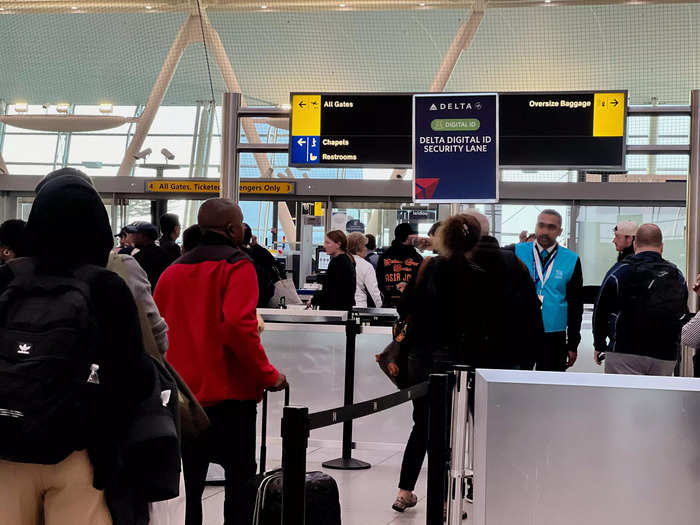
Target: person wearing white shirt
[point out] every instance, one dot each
(366, 278)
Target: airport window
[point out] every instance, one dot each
(595, 225)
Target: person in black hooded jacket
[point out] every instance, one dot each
(397, 265)
(66, 204)
(515, 320)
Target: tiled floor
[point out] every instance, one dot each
(365, 495)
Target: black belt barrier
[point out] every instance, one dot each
(297, 424)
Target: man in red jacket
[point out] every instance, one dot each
(208, 298)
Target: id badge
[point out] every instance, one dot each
(541, 298)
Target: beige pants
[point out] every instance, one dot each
(60, 494)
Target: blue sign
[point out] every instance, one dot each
(455, 147)
(306, 149)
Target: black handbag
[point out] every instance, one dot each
(394, 353)
(397, 351)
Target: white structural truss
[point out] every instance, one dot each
(198, 29)
(462, 41)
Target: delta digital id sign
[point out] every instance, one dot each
(455, 147)
(569, 130)
(351, 130)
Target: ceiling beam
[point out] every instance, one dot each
(186, 6)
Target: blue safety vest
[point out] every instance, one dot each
(555, 309)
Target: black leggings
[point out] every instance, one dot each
(417, 445)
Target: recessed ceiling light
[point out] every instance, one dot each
(341, 5)
(263, 7)
(422, 4)
(149, 7)
(2, 8)
(74, 7)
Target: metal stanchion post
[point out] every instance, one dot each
(295, 440)
(469, 473)
(346, 462)
(438, 446)
(459, 465)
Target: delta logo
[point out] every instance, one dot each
(453, 106)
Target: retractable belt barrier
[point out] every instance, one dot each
(297, 423)
(450, 443)
(330, 417)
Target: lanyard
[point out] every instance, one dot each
(538, 265)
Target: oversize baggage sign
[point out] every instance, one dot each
(455, 148)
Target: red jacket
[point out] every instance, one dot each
(208, 298)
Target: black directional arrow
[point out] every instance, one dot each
(614, 102)
(301, 104)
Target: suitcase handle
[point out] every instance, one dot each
(263, 430)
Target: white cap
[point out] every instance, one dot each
(626, 228)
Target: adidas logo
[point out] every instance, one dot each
(24, 348)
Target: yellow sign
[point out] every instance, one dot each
(268, 188)
(306, 115)
(609, 115)
(185, 186)
(318, 209)
(190, 186)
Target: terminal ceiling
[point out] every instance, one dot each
(112, 51)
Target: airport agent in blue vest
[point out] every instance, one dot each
(557, 274)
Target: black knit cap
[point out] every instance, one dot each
(402, 231)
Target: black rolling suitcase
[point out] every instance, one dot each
(263, 494)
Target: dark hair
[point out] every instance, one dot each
(550, 211)
(339, 237)
(371, 242)
(191, 237)
(402, 231)
(247, 234)
(458, 235)
(12, 235)
(168, 222)
(434, 228)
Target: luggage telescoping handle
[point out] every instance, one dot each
(263, 430)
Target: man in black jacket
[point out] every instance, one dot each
(170, 228)
(397, 265)
(623, 240)
(150, 256)
(517, 330)
(640, 310)
(266, 267)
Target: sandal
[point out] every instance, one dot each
(401, 503)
